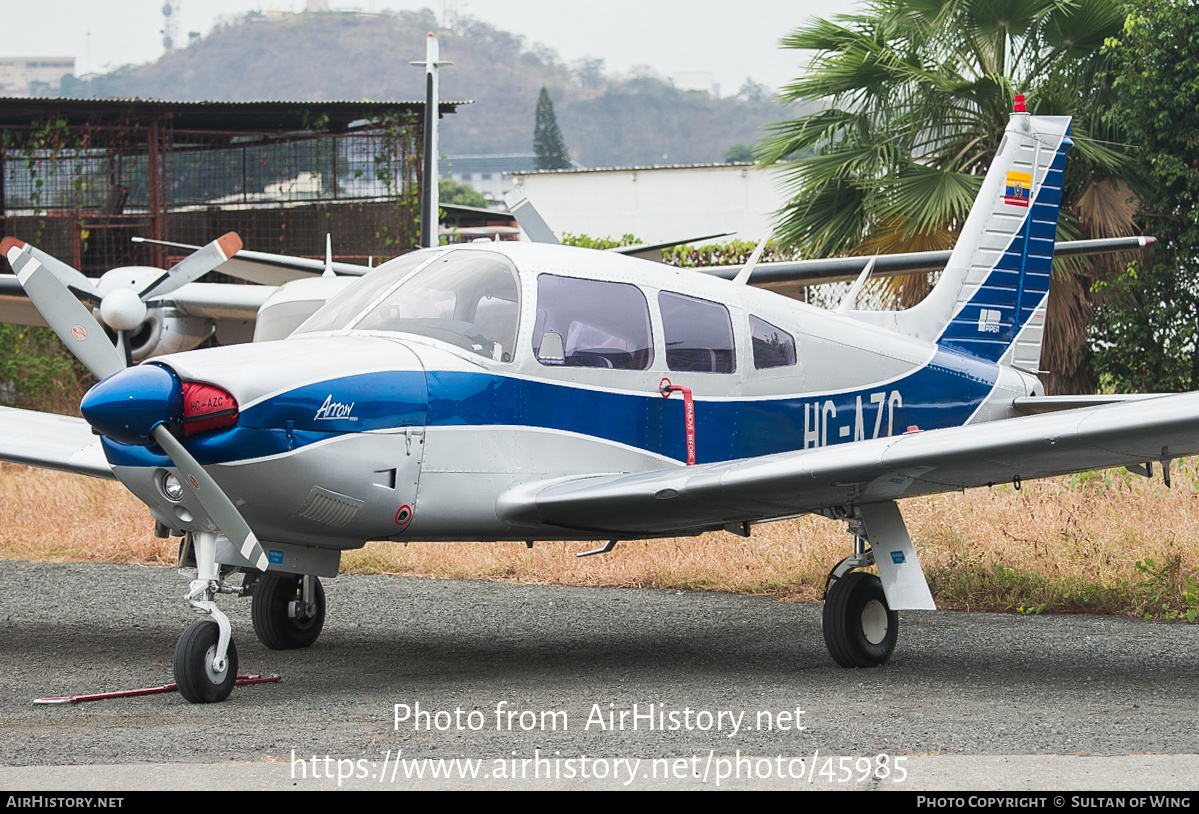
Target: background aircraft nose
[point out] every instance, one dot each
(129, 404)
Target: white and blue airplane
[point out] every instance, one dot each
(508, 391)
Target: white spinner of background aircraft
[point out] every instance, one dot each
(529, 392)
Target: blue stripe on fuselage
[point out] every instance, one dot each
(943, 393)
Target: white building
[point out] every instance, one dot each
(657, 204)
(696, 80)
(491, 175)
(33, 76)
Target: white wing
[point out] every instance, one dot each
(51, 442)
(711, 496)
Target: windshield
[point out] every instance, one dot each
(468, 298)
(340, 311)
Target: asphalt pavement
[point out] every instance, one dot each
(516, 686)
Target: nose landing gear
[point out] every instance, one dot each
(205, 656)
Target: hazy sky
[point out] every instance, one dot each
(732, 41)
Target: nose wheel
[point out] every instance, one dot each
(200, 679)
(288, 614)
(859, 628)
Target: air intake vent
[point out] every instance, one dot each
(329, 508)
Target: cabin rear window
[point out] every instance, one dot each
(773, 347)
(591, 323)
(699, 334)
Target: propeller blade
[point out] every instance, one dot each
(194, 266)
(69, 276)
(70, 319)
(218, 505)
(123, 347)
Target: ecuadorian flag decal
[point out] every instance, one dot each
(1018, 189)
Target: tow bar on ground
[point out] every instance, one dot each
(242, 680)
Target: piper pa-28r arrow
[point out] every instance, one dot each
(530, 392)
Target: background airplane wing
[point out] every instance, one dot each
(15, 306)
(51, 442)
(215, 301)
(219, 301)
(265, 268)
(713, 496)
(789, 278)
(1036, 405)
(276, 269)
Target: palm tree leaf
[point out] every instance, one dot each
(1107, 209)
(928, 199)
(818, 221)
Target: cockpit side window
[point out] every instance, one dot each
(773, 347)
(699, 334)
(591, 323)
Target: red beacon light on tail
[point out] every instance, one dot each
(1019, 106)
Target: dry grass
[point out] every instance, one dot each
(1069, 544)
(65, 518)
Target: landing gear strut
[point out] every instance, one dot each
(288, 610)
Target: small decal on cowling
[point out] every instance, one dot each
(334, 410)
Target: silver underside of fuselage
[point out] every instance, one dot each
(353, 488)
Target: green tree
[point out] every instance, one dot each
(548, 143)
(739, 154)
(38, 372)
(1146, 330)
(916, 95)
(451, 192)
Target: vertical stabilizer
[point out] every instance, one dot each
(990, 300)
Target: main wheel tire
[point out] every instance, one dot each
(859, 628)
(274, 627)
(198, 682)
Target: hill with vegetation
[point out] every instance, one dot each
(606, 120)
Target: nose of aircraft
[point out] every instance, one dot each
(128, 405)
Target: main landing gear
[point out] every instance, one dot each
(288, 610)
(860, 627)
